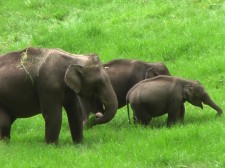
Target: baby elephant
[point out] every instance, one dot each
(165, 94)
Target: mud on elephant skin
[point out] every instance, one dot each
(165, 94)
(45, 80)
(125, 73)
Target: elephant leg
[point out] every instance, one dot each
(52, 113)
(5, 124)
(141, 115)
(171, 120)
(173, 113)
(75, 119)
(82, 107)
(5, 132)
(135, 119)
(182, 112)
(135, 113)
(145, 118)
(81, 110)
(53, 122)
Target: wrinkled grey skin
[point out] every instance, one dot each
(38, 80)
(165, 94)
(124, 74)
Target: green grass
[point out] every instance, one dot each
(187, 35)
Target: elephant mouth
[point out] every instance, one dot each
(197, 104)
(100, 113)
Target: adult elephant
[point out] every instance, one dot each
(165, 94)
(43, 80)
(125, 73)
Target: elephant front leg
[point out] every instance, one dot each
(52, 113)
(182, 112)
(172, 119)
(75, 119)
(53, 124)
(173, 113)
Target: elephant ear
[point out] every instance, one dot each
(187, 92)
(73, 78)
(151, 72)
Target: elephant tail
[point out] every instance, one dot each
(128, 109)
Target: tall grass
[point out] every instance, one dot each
(188, 36)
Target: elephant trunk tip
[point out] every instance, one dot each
(99, 118)
(208, 101)
(219, 112)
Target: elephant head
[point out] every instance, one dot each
(196, 95)
(91, 83)
(156, 70)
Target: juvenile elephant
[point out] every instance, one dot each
(124, 74)
(43, 80)
(165, 94)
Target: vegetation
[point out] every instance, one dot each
(186, 35)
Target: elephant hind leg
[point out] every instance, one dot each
(147, 118)
(5, 124)
(141, 115)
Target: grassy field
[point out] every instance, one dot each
(187, 35)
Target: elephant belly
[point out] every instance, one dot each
(155, 105)
(21, 107)
(153, 108)
(156, 111)
(20, 100)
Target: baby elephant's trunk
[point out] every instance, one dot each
(208, 101)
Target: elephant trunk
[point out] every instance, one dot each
(208, 101)
(110, 104)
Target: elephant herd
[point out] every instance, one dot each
(41, 80)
